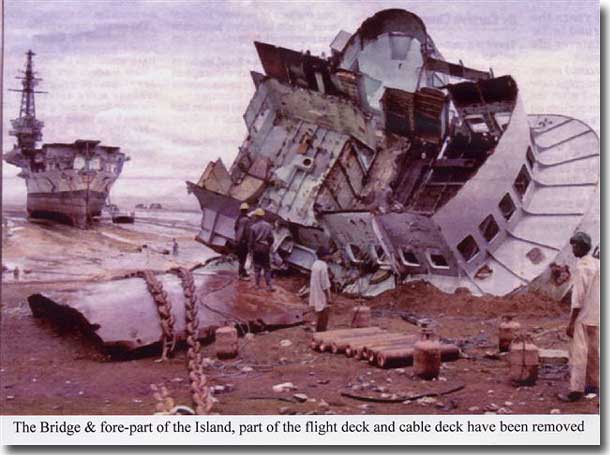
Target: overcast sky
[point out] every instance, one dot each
(168, 82)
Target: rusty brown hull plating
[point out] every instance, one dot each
(72, 207)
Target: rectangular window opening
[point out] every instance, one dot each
(380, 253)
(408, 258)
(507, 207)
(531, 159)
(260, 118)
(438, 261)
(79, 163)
(489, 228)
(468, 248)
(355, 253)
(503, 119)
(522, 182)
(477, 123)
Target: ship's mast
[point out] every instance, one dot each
(27, 128)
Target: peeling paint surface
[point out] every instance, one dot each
(402, 161)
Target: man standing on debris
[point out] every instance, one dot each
(242, 233)
(319, 289)
(174, 247)
(260, 242)
(583, 327)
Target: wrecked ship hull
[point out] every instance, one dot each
(430, 171)
(122, 317)
(72, 196)
(219, 213)
(66, 182)
(72, 207)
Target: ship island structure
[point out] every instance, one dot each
(407, 167)
(66, 182)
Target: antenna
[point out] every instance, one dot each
(26, 127)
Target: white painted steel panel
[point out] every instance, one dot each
(578, 147)
(581, 171)
(513, 255)
(560, 133)
(547, 230)
(501, 282)
(560, 200)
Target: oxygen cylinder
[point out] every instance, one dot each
(427, 355)
(523, 359)
(509, 329)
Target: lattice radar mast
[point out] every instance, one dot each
(27, 129)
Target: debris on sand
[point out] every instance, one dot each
(300, 397)
(424, 401)
(284, 387)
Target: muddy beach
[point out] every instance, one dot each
(48, 370)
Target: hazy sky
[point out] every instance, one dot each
(168, 82)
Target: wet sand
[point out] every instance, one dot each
(47, 371)
(47, 251)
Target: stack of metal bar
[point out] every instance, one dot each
(375, 345)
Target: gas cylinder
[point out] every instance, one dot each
(427, 355)
(523, 359)
(509, 329)
(226, 342)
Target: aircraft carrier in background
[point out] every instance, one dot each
(65, 182)
(407, 166)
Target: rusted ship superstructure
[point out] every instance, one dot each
(407, 166)
(65, 182)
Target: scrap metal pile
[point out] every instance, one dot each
(406, 166)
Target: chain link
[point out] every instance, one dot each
(165, 403)
(202, 397)
(201, 393)
(164, 308)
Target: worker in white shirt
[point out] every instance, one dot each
(319, 289)
(583, 327)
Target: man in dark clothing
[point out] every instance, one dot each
(260, 243)
(242, 233)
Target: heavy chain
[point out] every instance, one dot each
(164, 307)
(165, 403)
(202, 398)
(201, 393)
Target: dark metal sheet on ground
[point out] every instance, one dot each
(123, 317)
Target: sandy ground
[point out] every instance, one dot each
(45, 371)
(49, 252)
